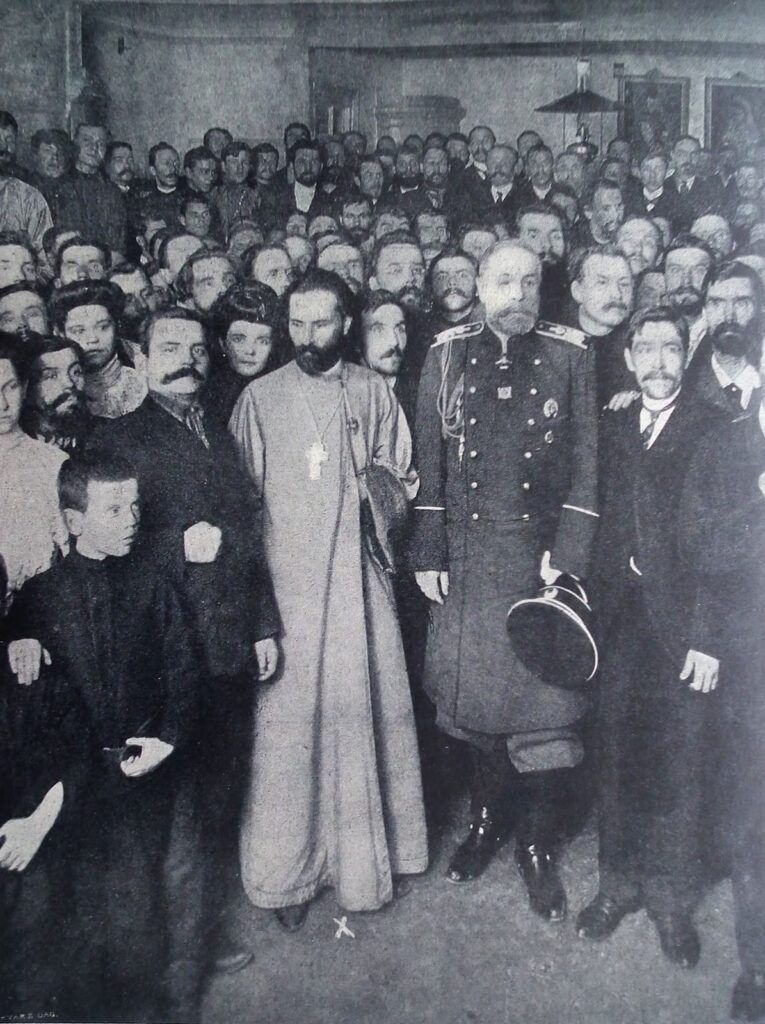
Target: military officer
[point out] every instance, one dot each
(506, 447)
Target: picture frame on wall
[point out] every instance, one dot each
(734, 113)
(655, 109)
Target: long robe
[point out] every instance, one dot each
(335, 795)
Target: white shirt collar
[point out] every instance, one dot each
(503, 191)
(664, 406)
(748, 380)
(761, 417)
(304, 196)
(541, 194)
(653, 196)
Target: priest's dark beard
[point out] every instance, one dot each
(313, 360)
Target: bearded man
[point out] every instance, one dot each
(723, 373)
(335, 761)
(506, 445)
(54, 407)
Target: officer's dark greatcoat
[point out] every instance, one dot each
(519, 478)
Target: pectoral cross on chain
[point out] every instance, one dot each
(316, 455)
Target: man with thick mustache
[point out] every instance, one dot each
(198, 511)
(506, 447)
(602, 287)
(723, 372)
(660, 653)
(335, 772)
(54, 408)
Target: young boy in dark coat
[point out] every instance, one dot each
(112, 626)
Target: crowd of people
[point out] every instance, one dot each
(280, 447)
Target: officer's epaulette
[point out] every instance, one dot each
(561, 332)
(460, 331)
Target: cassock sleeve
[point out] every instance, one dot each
(244, 427)
(393, 444)
(578, 521)
(427, 548)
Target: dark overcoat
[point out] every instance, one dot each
(182, 482)
(519, 478)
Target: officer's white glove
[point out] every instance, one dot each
(546, 571)
(433, 584)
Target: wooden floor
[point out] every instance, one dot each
(446, 954)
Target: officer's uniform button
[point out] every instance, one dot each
(474, 516)
(474, 485)
(526, 485)
(473, 454)
(472, 421)
(473, 361)
(531, 422)
(533, 391)
(471, 389)
(525, 515)
(537, 362)
(526, 455)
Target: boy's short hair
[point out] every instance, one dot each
(79, 471)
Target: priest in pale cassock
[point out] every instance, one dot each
(335, 797)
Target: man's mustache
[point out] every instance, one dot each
(63, 398)
(397, 352)
(618, 307)
(187, 371)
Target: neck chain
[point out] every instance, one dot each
(317, 453)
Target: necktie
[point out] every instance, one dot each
(647, 432)
(683, 187)
(195, 422)
(497, 198)
(734, 391)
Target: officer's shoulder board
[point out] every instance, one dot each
(561, 332)
(460, 331)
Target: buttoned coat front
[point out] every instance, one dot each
(518, 477)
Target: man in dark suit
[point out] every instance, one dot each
(602, 289)
(502, 197)
(280, 199)
(109, 623)
(474, 178)
(722, 372)
(505, 436)
(196, 508)
(660, 199)
(723, 515)
(660, 658)
(700, 195)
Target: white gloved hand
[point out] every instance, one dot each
(546, 571)
(201, 542)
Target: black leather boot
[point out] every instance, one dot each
(538, 869)
(474, 854)
(542, 794)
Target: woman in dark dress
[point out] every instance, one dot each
(245, 320)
